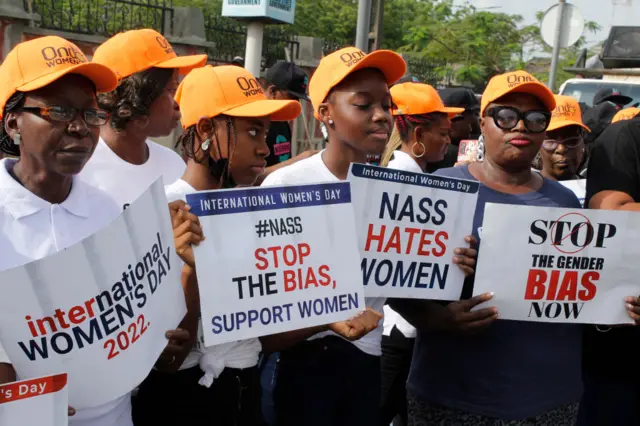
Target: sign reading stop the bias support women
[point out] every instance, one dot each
(559, 265)
(42, 402)
(408, 227)
(280, 259)
(98, 310)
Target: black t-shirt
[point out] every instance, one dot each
(279, 142)
(614, 166)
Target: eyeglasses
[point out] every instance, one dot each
(506, 118)
(93, 117)
(569, 143)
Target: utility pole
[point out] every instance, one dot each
(364, 22)
(377, 37)
(556, 44)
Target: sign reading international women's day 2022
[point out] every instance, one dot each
(43, 402)
(559, 265)
(408, 227)
(98, 310)
(283, 258)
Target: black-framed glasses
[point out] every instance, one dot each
(63, 114)
(569, 143)
(506, 118)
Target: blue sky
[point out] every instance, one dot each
(605, 12)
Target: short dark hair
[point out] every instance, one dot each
(15, 102)
(133, 96)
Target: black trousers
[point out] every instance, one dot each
(177, 399)
(397, 351)
(327, 382)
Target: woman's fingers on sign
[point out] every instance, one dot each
(633, 308)
(71, 411)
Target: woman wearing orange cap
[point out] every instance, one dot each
(471, 369)
(563, 149)
(420, 137)
(126, 163)
(324, 379)
(51, 121)
(225, 126)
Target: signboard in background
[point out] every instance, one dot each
(408, 227)
(283, 258)
(100, 309)
(468, 151)
(268, 10)
(42, 402)
(559, 265)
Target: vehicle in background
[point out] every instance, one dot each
(583, 89)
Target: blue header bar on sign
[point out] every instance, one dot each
(418, 179)
(214, 203)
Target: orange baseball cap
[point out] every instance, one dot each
(516, 82)
(37, 63)
(137, 50)
(230, 90)
(625, 114)
(417, 98)
(566, 113)
(337, 66)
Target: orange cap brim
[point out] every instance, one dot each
(183, 64)
(451, 112)
(536, 89)
(275, 110)
(102, 77)
(565, 123)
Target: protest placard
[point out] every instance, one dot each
(408, 227)
(98, 310)
(282, 258)
(578, 186)
(43, 402)
(559, 265)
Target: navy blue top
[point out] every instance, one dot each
(514, 369)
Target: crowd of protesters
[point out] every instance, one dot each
(76, 141)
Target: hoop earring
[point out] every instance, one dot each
(17, 139)
(206, 144)
(480, 153)
(413, 147)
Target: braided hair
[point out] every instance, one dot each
(219, 168)
(15, 102)
(404, 126)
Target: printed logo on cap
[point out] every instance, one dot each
(566, 110)
(515, 80)
(352, 58)
(164, 44)
(305, 82)
(69, 54)
(249, 86)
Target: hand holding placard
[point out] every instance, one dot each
(466, 321)
(465, 258)
(187, 231)
(358, 326)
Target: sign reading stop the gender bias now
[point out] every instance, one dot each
(559, 265)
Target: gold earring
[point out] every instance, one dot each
(413, 147)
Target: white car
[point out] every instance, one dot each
(583, 89)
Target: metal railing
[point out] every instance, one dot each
(103, 17)
(230, 37)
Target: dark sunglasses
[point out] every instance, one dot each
(506, 118)
(63, 114)
(569, 143)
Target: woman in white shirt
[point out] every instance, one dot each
(421, 135)
(50, 120)
(126, 162)
(224, 140)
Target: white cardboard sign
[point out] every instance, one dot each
(43, 401)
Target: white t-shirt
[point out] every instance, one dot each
(313, 170)
(401, 161)
(32, 228)
(578, 186)
(124, 181)
(241, 354)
